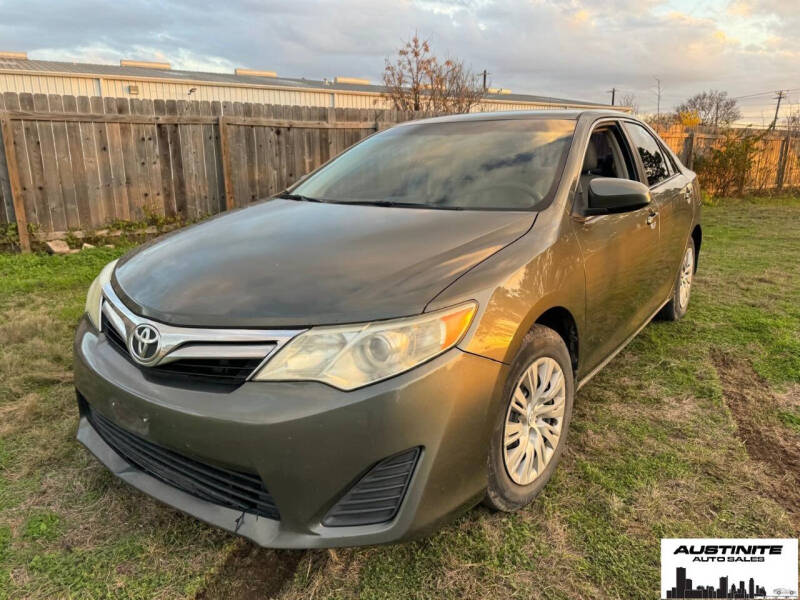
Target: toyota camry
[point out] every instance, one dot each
(397, 337)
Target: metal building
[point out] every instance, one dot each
(157, 80)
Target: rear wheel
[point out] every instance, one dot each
(531, 428)
(678, 303)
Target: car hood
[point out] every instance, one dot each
(283, 263)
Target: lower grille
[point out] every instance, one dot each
(226, 371)
(377, 496)
(234, 489)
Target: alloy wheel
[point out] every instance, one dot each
(534, 421)
(685, 281)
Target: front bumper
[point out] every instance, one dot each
(307, 441)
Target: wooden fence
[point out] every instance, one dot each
(776, 160)
(78, 163)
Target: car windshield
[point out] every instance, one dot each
(511, 164)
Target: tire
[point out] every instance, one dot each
(506, 491)
(674, 310)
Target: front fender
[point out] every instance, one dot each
(515, 286)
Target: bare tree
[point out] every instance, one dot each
(417, 80)
(630, 101)
(713, 107)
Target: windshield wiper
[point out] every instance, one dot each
(288, 196)
(396, 204)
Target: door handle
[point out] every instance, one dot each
(688, 194)
(651, 218)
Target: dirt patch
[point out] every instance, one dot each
(251, 573)
(750, 400)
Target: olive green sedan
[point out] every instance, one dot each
(397, 337)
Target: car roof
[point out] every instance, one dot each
(520, 115)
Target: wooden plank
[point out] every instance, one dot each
(303, 124)
(153, 165)
(188, 152)
(15, 184)
(216, 111)
(129, 118)
(225, 157)
(273, 160)
(138, 119)
(38, 213)
(25, 194)
(250, 155)
(327, 140)
(165, 161)
(106, 203)
(145, 199)
(308, 141)
(289, 152)
(315, 144)
(52, 184)
(66, 177)
(176, 159)
(117, 161)
(210, 160)
(132, 176)
(261, 162)
(198, 156)
(90, 166)
(282, 141)
(303, 153)
(239, 159)
(340, 135)
(6, 205)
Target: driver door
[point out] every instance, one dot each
(619, 251)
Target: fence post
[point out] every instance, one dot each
(782, 160)
(225, 156)
(16, 188)
(689, 150)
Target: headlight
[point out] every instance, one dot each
(95, 294)
(352, 356)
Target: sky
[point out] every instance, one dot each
(572, 48)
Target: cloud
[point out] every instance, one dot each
(570, 48)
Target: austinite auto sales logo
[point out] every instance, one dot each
(729, 568)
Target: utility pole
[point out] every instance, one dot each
(613, 92)
(484, 79)
(658, 109)
(780, 95)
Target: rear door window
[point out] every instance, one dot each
(650, 152)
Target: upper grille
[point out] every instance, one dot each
(377, 496)
(113, 336)
(227, 371)
(234, 489)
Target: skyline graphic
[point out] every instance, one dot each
(684, 588)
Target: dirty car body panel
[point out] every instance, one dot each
(295, 463)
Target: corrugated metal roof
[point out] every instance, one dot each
(71, 68)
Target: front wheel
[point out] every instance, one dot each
(678, 303)
(531, 427)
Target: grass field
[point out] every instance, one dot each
(693, 431)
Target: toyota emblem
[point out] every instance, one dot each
(145, 343)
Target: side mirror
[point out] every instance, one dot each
(610, 195)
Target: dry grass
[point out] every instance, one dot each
(692, 431)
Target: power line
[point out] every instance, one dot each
(762, 93)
